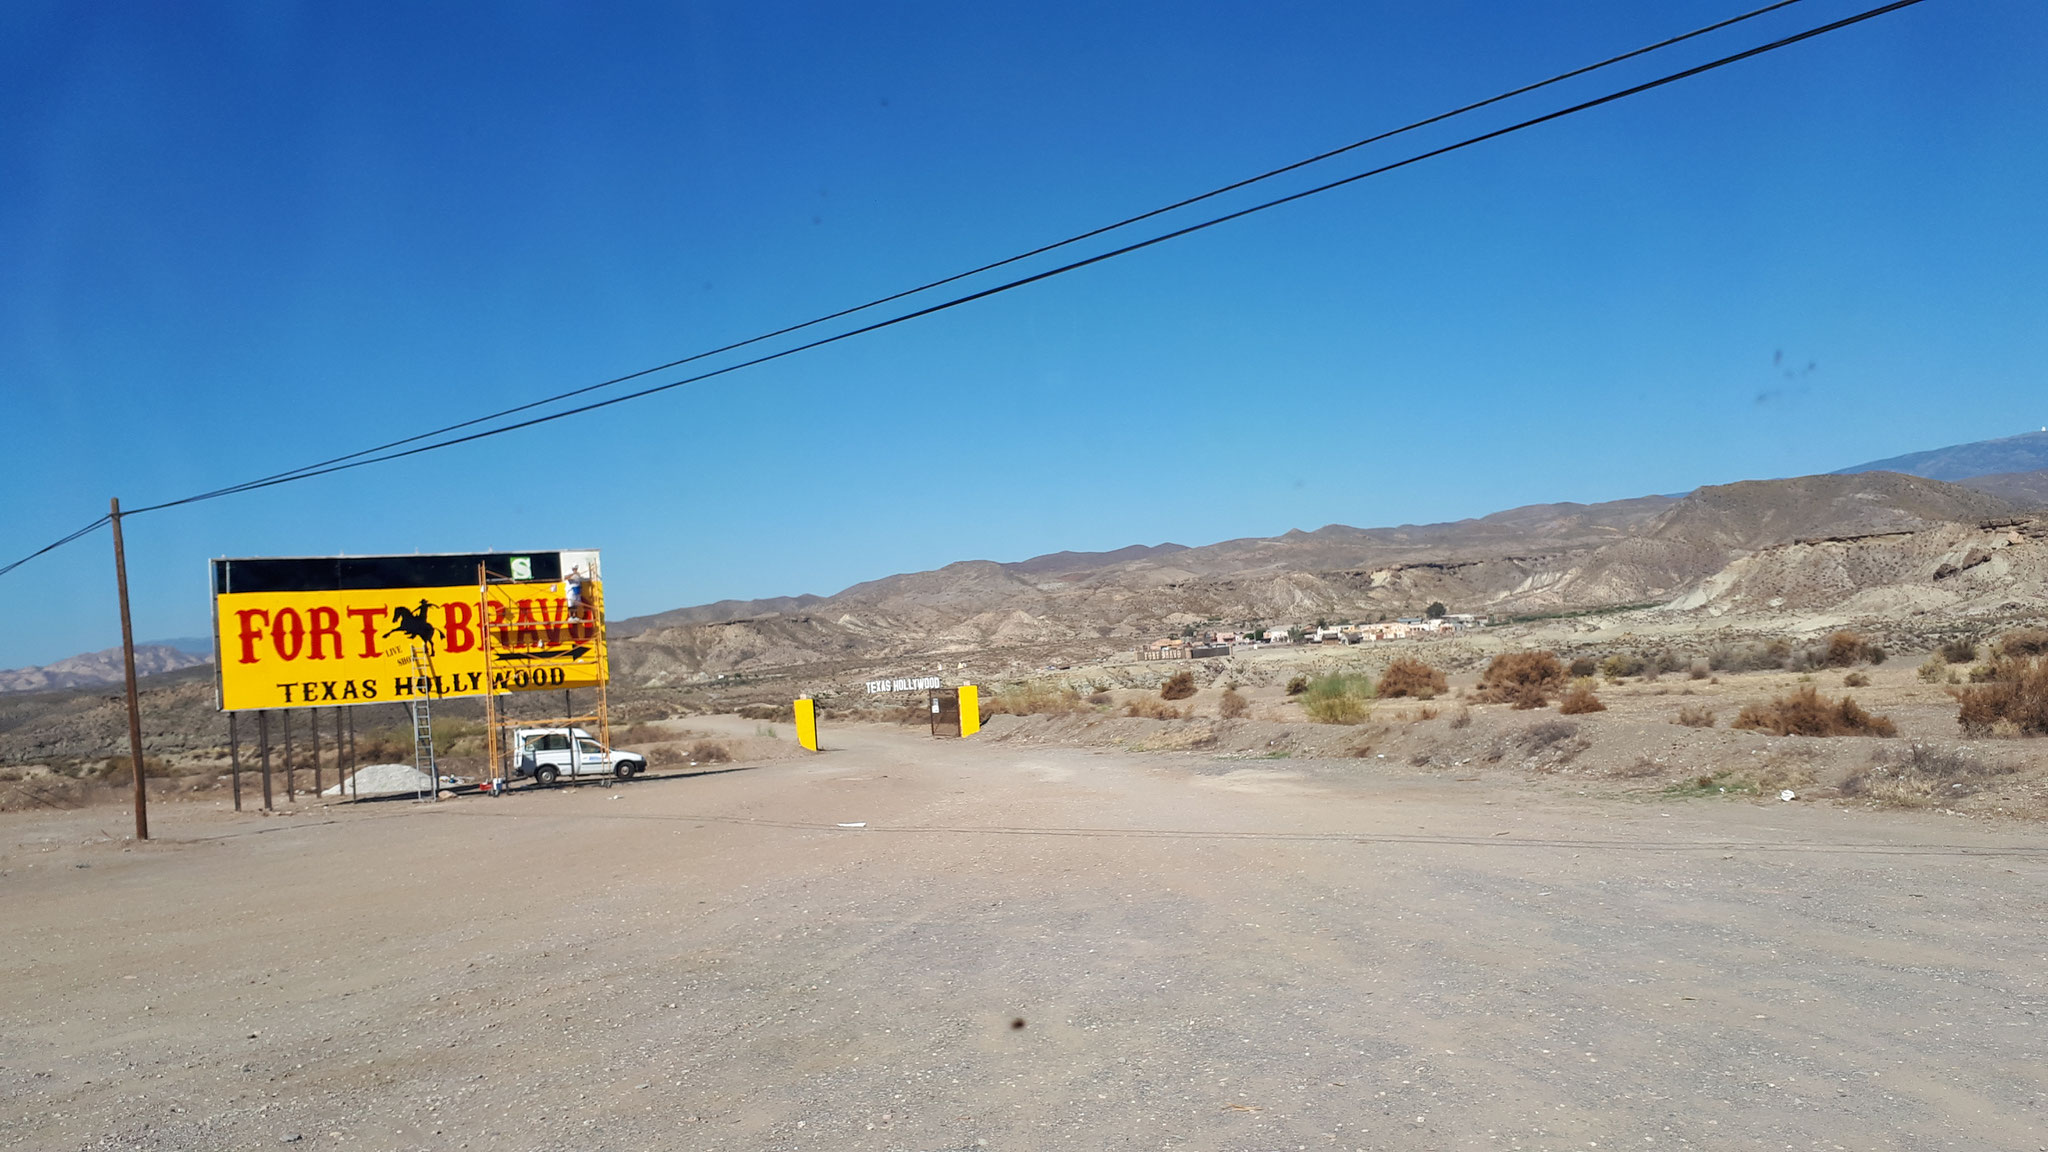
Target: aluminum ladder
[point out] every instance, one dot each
(423, 724)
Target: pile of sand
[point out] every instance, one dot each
(388, 780)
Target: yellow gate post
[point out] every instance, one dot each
(807, 723)
(970, 710)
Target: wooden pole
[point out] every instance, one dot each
(314, 723)
(352, 785)
(291, 780)
(263, 750)
(235, 758)
(128, 663)
(338, 777)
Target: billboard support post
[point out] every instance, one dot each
(291, 781)
(314, 724)
(128, 665)
(235, 758)
(263, 752)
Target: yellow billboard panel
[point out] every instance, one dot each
(313, 647)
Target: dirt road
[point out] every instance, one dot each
(1025, 949)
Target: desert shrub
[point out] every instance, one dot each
(1754, 656)
(1232, 706)
(1920, 774)
(2023, 642)
(640, 733)
(1537, 737)
(1148, 708)
(1806, 712)
(1523, 679)
(1338, 698)
(1658, 663)
(1297, 686)
(1100, 697)
(1034, 700)
(709, 752)
(1696, 716)
(1462, 718)
(1621, 664)
(1698, 669)
(1178, 686)
(1640, 768)
(1579, 699)
(1855, 680)
(1957, 651)
(1583, 666)
(2014, 700)
(1934, 670)
(782, 712)
(1407, 676)
(1845, 648)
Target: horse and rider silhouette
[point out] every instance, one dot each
(414, 623)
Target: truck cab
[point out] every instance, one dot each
(545, 755)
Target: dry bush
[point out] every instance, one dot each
(1584, 666)
(1524, 679)
(1957, 651)
(1935, 670)
(709, 752)
(1178, 686)
(1621, 664)
(2023, 642)
(1699, 670)
(783, 712)
(1696, 716)
(641, 733)
(1425, 713)
(1855, 680)
(1921, 774)
(1578, 700)
(1640, 768)
(1233, 706)
(1297, 686)
(1537, 737)
(1462, 718)
(1845, 648)
(2014, 700)
(1407, 676)
(1101, 697)
(1755, 656)
(1806, 712)
(1033, 700)
(1338, 698)
(1147, 708)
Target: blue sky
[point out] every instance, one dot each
(237, 238)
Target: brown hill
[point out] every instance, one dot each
(1539, 559)
(94, 668)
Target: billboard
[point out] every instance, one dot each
(310, 632)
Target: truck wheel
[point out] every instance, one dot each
(546, 774)
(622, 771)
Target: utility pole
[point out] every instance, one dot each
(128, 659)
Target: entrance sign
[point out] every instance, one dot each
(918, 684)
(311, 632)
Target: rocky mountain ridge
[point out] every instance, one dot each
(104, 667)
(1545, 559)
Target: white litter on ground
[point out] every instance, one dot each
(387, 780)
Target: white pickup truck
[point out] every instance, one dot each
(546, 755)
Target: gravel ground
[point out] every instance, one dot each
(1024, 948)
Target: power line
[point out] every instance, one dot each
(1005, 262)
(53, 546)
(368, 456)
